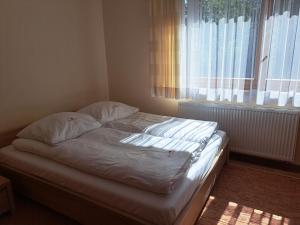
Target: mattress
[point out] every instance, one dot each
(145, 206)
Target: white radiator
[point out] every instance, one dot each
(255, 131)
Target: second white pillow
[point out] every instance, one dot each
(108, 111)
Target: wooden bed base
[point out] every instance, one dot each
(88, 212)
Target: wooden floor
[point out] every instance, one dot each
(248, 194)
(31, 213)
(244, 194)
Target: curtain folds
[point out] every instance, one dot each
(220, 46)
(279, 75)
(238, 51)
(166, 17)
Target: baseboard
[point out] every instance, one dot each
(286, 166)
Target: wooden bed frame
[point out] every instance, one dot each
(89, 212)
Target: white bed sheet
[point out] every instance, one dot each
(103, 153)
(146, 206)
(169, 127)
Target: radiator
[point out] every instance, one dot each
(268, 133)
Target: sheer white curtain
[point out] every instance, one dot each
(280, 59)
(218, 48)
(240, 51)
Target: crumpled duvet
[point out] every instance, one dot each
(163, 126)
(156, 167)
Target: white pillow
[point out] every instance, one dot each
(108, 111)
(59, 127)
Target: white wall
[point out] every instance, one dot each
(52, 58)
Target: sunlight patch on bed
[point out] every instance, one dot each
(145, 140)
(184, 129)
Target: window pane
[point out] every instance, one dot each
(284, 53)
(222, 37)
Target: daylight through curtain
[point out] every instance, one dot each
(165, 27)
(280, 59)
(219, 39)
(237, 51)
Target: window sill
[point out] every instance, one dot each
(252, 107)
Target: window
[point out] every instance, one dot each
(279, 68)
(222, 36)
(218, 45)
(284, 29)
(243, 51)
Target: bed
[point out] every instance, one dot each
(91, 199)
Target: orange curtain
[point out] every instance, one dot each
(166, 17)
